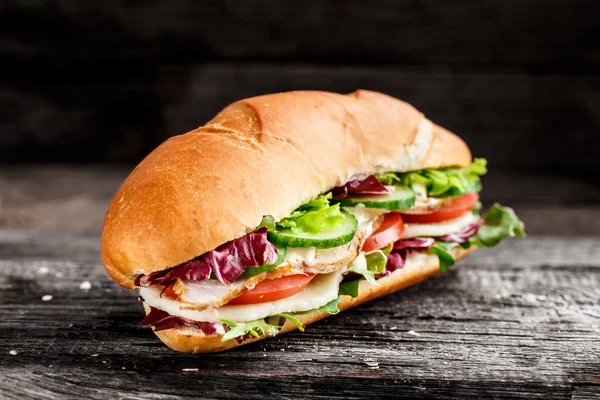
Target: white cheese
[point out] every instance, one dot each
(420, 191)
(365, 216)
(421, 198)
(321, 290)
(440, 228)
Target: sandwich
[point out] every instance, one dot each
(288, 208)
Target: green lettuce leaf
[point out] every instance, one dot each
(442, 250)
(330, 308)
(389, 178)
(314, 216)
(255, 328)
(261, 326)
(476, 209)
(388, 249)
(375, 264)
(441, 182)
(293, 319)
(500, 222)
(267, 221)
(349, 288)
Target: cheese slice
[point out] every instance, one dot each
(321, 290)
(440, 228)
(422, 200)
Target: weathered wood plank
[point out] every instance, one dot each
(68, 199)
(519, 321)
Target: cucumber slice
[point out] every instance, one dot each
(322, 240)
(400, 199)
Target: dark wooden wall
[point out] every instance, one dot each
(107, 81)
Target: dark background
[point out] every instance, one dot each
(107, 81)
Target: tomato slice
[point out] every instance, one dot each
(274, 289)
(390, 230)
(458, 207)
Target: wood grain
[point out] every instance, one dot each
(518, 321)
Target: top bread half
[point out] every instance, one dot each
(264, 155)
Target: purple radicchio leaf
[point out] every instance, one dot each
(194, 270)
(414, 244)
(397, 258)
(162, 320)
(227, 261)
(464, 235)
(369, 185)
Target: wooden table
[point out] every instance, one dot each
(518, 321)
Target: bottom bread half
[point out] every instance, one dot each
(191, 341)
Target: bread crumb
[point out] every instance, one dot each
(189, 369)
(59, 274)
(413, 333)
(47, 297)
(85, 285)
(43, 270)
(393, 328)
(95, 355)
(14, 352)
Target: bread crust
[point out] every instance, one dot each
(185, 341)
(264, 155)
